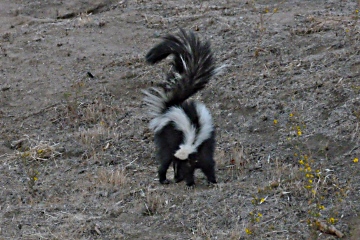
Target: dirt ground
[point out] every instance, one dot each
(77, 159)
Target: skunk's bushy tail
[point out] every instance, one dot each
(192, 67)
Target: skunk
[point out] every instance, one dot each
(184, 130)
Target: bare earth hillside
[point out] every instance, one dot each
(77, 159)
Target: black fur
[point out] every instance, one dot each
(199, 59)
(192, 67)
(167, 141)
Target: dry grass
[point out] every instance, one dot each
(114, 178)
(36, 150)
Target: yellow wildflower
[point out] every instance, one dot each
(25, 154)
(356, 160)
(248, 231)
(275, 121)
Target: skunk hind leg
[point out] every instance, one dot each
(209, 172)
(167, 141)
(178, 170)
(206, 159)
(189, 179)
(164, 165)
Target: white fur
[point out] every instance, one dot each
(206, 128)
(156, 103)
(156, 124)
(184, 151)
(184, 64)
(219, 70)
(206, 124)
(182, 123)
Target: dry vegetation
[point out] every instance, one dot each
(76, 157)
